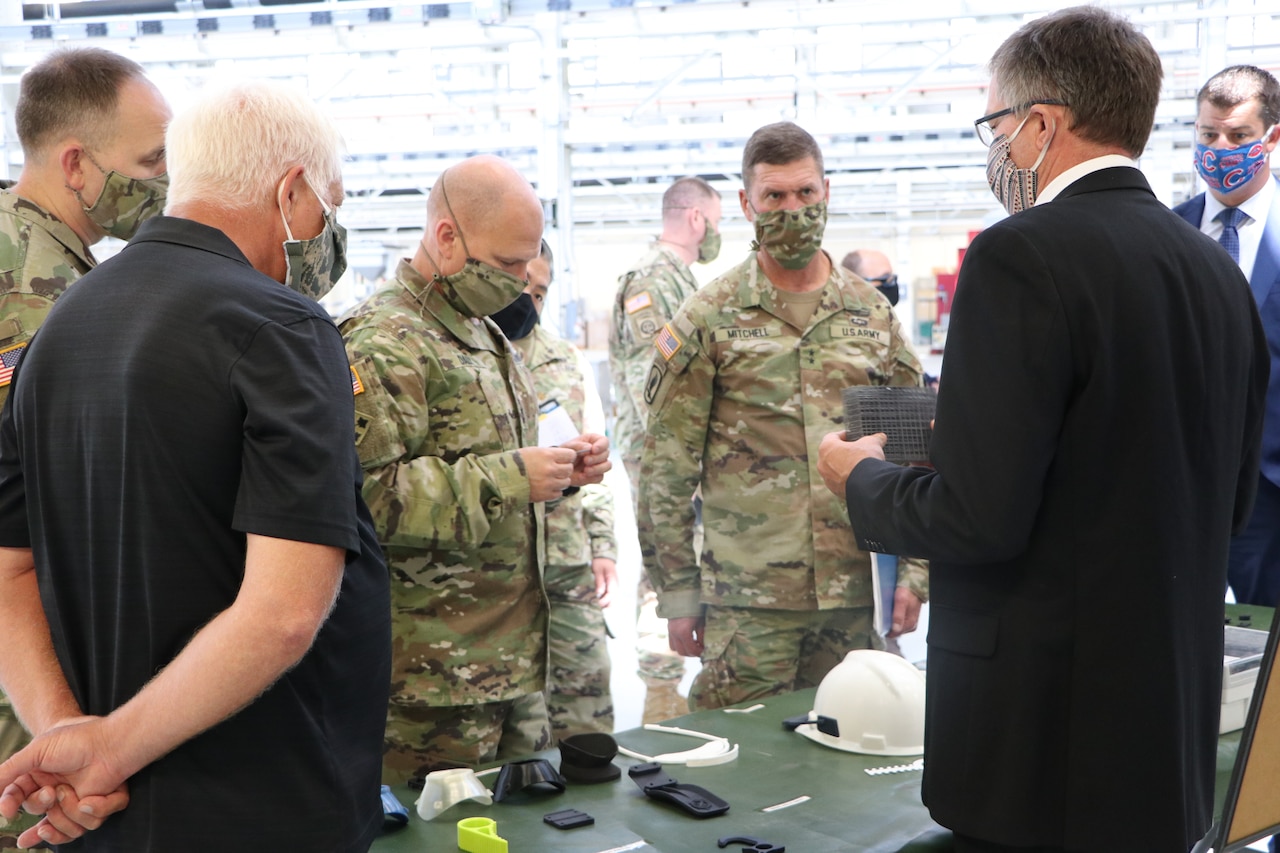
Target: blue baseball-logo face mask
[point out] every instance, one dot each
(1228, 169)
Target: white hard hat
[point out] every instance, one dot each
(871, 702)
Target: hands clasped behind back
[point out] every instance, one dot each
(71, 759)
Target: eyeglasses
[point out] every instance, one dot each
(985, 127)
(889, 280)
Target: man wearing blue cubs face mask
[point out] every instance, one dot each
(1237, 128)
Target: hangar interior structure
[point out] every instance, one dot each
(602, 103)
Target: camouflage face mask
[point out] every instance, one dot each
(313, 267)
(124, 202)
(791, 237)
(482, 289)
(709, 248)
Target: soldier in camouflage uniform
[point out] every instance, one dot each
(648, 296)
(745, 382)
(580, 573)
(92, 133)
(82, 114)
(446, 431)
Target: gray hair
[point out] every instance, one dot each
(1097, 63)
(233, 146)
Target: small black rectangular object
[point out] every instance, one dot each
(568, 819)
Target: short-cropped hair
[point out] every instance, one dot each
(1231, 87)
(72, 92)
(1096, 62)
(233, 145)
(687, 192)
(779, 144)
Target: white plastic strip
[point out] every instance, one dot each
(804, 798)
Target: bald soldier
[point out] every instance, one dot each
(875, 268)
(92, 133)
(446, 429)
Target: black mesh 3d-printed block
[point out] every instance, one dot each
(903, 414)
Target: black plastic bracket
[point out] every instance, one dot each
(693, 799)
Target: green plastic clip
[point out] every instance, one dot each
(480, 835)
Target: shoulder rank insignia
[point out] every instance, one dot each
(667, 342)
(9, 359)
(635, 303)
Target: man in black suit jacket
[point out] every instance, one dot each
(1096, 442)
(1237, 128)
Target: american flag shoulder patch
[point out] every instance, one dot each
(357, 387)
(635, 303)
(9, 359)
(667, 342)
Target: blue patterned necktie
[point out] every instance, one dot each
(1230, 217)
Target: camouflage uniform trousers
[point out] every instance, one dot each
(750, 653)
(578, 697)
(423, 738)
(13, 737)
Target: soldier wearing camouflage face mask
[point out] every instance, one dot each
(647, 297)
(744, 383)
(446, 428)
(76, 108)
(92, 132)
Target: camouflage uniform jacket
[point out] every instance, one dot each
(442, 406)
(39, 258)
(647, 297)
(740, 400)
(579, 527)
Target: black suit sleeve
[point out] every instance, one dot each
(1256, 401)
(1007, 384)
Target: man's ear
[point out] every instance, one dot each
(446, 234)
(73, 161)
(1272, 138)
(287, 192)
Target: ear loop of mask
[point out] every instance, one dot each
(1044, 150)
(444, 194)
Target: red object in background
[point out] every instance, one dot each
(946, 290)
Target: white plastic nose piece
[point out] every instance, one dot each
(444, 789)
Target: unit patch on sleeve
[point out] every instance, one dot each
(667, 342)
(637, 302)
(9, 359)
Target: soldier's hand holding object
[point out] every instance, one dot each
(549, 469)
(837, 457)
(592, 458)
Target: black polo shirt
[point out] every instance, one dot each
(175, 400)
